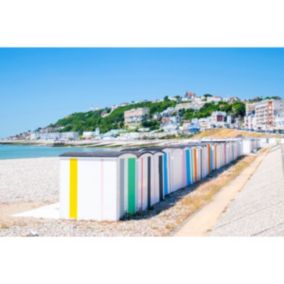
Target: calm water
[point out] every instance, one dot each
(23, 151)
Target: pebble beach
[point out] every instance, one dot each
(31, 183)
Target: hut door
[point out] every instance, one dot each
(161, 178)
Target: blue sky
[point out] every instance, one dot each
(39, 86)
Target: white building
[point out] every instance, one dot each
(191, 126)
(218, 118)
(55, 136)
(264, 115)
(279, 122)
(91, 134)
(205, 123)
(250, 122)
(170, 124)
(69, 135)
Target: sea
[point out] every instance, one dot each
(31, 151)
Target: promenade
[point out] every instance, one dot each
(258, 209)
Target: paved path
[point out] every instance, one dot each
(258, 209)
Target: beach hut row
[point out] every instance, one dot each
(107, 185)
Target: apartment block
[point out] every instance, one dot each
(264, 115)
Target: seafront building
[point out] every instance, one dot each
(91, 134)
(265, 115)
(218, 118)
(55, 136)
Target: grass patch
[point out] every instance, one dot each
(221, 133)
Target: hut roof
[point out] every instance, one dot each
(144, 149)
(103, 154)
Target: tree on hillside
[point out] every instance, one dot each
(238, 109)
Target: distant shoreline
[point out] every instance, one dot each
(86, 144)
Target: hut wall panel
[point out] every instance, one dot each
(212, 158)
(155, 193)
(140, 184)
(178, 170)
(144, 187)
(90, 194)
(195, 165)
(64, 188)
(199, 164)
(109, 190)
(204, 162)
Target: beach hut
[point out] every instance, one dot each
(89, 186)
(136, 180)
(157, 174)
(104, 185)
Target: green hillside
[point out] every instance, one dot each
(89, 121)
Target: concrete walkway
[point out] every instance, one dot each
(258, 209)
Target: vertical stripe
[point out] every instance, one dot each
(161, 178)
(166, 186)
(131, 185)
(73, 206)
(209, 157)
(188, 179)
(149, 184)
